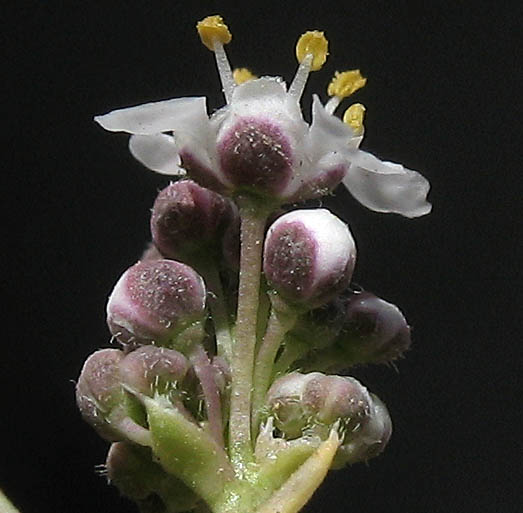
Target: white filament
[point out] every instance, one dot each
(224, 70)
(332, 104)
(300, 79)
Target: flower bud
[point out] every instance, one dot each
(154, 300)
(98, 391)
(151, 369)
(300, 402)
(309, 256)
(132, 470)
(189, 220)
(370, 440)
(374, 330)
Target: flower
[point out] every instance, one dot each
(259, 142)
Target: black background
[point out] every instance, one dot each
(441, 98)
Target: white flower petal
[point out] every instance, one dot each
(327, 132)
(387, 187)
(157, 152)
(153, 118)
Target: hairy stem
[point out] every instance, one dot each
(253, 219)
(279, 324)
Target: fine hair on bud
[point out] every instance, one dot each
(154, 300)
(309, 257)
(98, 390)
(150, 369)
(303, 402)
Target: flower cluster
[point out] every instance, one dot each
(220, 396)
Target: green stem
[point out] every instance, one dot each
(253, 220)
(279, 324)
(219, 312)
(5, 504)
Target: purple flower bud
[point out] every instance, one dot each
(374, 330)
(151, 369)
(154, 300)
(309, 256)
(299, 402)
(370, 440)
(98, 391)
(188, 219)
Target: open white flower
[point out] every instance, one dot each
(258, 142)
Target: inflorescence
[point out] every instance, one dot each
(219, 398)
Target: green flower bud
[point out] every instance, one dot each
(132, 470)
(302, 402)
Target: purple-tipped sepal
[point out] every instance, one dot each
(309, 257)
(154, 301)
(190, 221)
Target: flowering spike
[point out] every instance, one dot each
(354, 117)
(212, 29)
(312, 43)
(346, 83)
(242, 75)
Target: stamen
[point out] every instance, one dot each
(346, 83)
(242, 75)
(300, 79)
(311, 52)
(214, 34)
(343, 85)
(315, 43)
(224, 70)
(332, 104)
(354, 117)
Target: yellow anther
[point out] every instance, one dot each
(213, 29)
(314, 43)
(242, 75)
(354, 117)
(346, 83)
